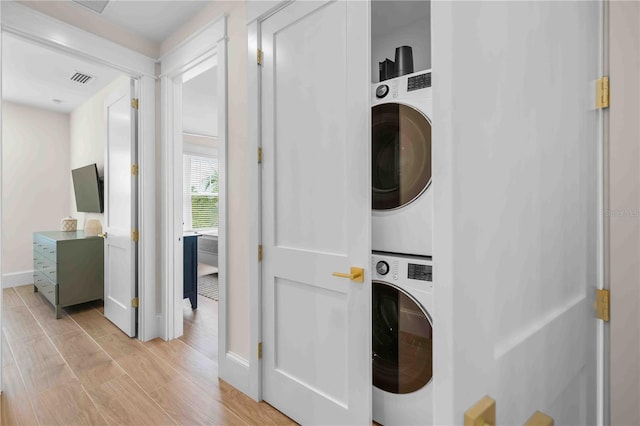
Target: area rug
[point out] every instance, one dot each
(208, 286)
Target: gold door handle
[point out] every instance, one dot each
(482, 413)
(539, 419)
(357, 274)
(103, 235)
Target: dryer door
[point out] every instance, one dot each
(402, 340)
(401, 155)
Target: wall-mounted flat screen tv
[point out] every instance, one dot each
(87, 186)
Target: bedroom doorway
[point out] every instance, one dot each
(193, 191)
(200, 210)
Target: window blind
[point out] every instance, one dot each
(203, 189)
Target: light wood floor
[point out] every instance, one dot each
(81, 369)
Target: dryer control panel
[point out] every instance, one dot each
(417, 82)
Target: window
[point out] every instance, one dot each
(200, 192)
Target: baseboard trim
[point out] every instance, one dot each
(15, 279)
(234, 370)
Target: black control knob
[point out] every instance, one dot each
(382, 267)
(381, 91)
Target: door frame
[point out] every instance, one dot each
(206, 48)
(44, 30)
(602, 333)
(256, 13)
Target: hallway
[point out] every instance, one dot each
(81, 369)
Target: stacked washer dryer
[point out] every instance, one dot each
(402, 228)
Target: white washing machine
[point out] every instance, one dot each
(402, 334)
(402, 199)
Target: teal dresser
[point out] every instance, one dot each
(68, 268)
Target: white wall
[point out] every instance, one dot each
(238, 162)
(88, 130)
(35, 182)
(199, 104)
(207, 142)
(622, 218)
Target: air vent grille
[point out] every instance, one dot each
(95, 5)
(81, 78)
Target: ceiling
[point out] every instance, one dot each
(154, 20)
(34, 75)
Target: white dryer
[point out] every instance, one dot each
(402, 200)
(402, 340)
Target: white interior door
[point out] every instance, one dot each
(515, 208)
(317, 207)
(120, 213)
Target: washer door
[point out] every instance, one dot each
(401, 155)
(402, 340)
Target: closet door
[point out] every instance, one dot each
(317, 212)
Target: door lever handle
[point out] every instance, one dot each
(357, 274)
(103, 235)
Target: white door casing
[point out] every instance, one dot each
(515, 205)
(1, 215)
(316, 212)
(120, 210)
(204, 50)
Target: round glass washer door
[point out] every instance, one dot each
(402, 341)
(401, 155)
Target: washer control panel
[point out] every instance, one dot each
(420, 272)
(402, 269)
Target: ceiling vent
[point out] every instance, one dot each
(95, 5)
(81, 78)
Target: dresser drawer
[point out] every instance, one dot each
(46, 267)
(44, 246)
(38, 261)
(46, 287)
(49, 270)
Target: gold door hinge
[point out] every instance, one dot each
(135, 235)
(259, 154)
(602, 304)
(134, 169)
(260, 253)
(259, 56)
(135, 302)
(602, 93)
(259, 350)
(134, 103)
